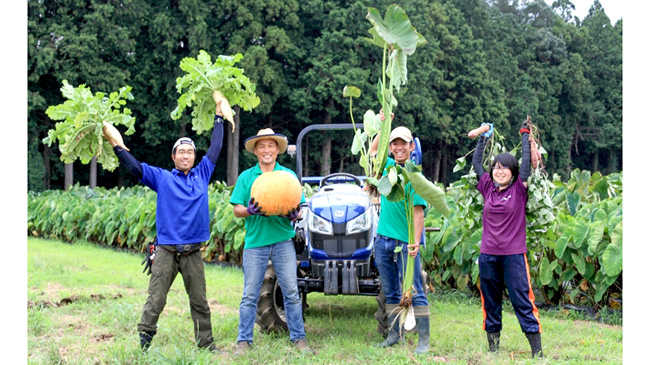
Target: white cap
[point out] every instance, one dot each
(401, 132)
(183, 140)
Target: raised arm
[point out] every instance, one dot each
(524, 171)
(477, 158)
(112, 135)
(216, 142)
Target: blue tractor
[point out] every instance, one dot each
(334, 242)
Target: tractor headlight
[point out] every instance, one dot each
(359, 224)
(319, 225)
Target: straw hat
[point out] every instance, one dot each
(267, 133)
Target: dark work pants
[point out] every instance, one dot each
(509, 271)
(166, 266)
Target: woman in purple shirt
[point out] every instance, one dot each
(502, 261)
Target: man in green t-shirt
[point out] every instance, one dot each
(267, 237)
(392, 231)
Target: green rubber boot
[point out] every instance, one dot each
(422, 323)
(393, 332)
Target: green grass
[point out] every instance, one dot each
(107, 291)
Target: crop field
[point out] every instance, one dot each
(84, 302)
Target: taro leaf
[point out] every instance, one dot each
(579, 263)
(572, 199)
(396, 68)
(568, 274)
(358, 142)
(580, 232)
(371, 123)
(600, 215)
(545, 271)
(596, 231)
(613, 260)
(384, 186)
(395, 29)
(560, 246)
(458, 254)
(450, 239)
(396, 193)
(426, 189)
(617, 235)
(601, 188)
(589, 271)
(392, 176)
(600, 291)
(460, 164)
(351, 92)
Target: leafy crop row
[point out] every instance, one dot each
(575, 258)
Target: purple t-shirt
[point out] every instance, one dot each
(504, 217)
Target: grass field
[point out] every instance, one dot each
(84, 302)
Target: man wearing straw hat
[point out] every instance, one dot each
(267, 237)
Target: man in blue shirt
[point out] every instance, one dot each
(182, 224)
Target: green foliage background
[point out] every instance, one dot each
(486, 61)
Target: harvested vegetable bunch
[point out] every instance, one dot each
(205, 82)
(83, 117)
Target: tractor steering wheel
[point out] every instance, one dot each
(325, 180)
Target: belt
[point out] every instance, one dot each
(182, 250)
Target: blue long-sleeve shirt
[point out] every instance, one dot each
(182, 213)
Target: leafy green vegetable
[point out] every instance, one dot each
(398, 39)
(203, 77)
(80, 133)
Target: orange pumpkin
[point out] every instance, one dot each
(277, 192)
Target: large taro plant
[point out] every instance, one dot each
(398, 40)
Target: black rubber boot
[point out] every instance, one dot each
(535, 340)
(422, 324)
(393, 332)
(493, 341)
(145, 339)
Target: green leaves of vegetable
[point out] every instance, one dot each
(395, 29)
(201, 78)
(80, 133)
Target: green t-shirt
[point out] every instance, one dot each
(260, 230)
(392, 216)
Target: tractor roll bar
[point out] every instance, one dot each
(311, 128)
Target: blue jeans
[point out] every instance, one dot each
(391, 268)
(255, 261)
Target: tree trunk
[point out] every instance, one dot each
(93, 173)
(443, 168)
(47, 152)
(233, 149)
(612, 161)
(69, 178)
(594, 163)
(326, 151)
(436, 163)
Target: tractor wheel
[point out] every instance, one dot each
(380, 314)
(270, 305)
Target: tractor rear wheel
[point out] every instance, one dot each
(270, 305)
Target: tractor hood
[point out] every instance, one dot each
(339, 203)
